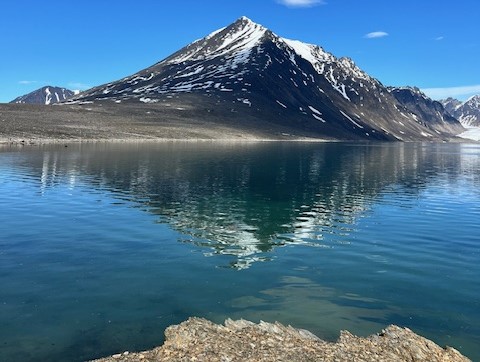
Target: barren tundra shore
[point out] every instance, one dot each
(174, 119)
(33, 124)
(201, 340)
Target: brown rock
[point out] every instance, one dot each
(200, 340)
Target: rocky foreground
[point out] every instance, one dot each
(201, 340)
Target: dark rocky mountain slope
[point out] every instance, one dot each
(450, 104)
(45, 95)
(245, 73)
(432, 113)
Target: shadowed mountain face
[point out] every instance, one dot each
(432, 113)
(451, 104)
(246, 72)
(468, 112)
(45, 95)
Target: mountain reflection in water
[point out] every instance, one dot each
(243, 200)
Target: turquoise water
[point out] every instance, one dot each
(102, 246)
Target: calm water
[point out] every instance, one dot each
(103, 246)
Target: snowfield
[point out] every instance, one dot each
(472, 133)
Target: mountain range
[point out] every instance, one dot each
(45, 95)
(247, 76)
(468, 112)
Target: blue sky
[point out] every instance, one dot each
(434, 45)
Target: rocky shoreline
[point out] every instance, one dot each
(198, 339)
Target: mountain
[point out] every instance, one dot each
(246, 74)
(432, 113)
(45, 95)
(450, 104)
(468, 112)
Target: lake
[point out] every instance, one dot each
(103, 246)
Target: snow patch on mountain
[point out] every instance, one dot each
(315, 110)
(48, 96)
(312, 53)
(350, 119)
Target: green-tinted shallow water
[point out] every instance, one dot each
(103, 246)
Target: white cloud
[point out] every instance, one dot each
(455, 92)
(27, 82)
(376, 34)
(438, 38)
(77, 85)
(301, 3)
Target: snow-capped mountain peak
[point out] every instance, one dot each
(246, 69)
(473, 101)
(225, 56)
(468, 112)
(237, 39)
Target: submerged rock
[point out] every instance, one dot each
(198, 339)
